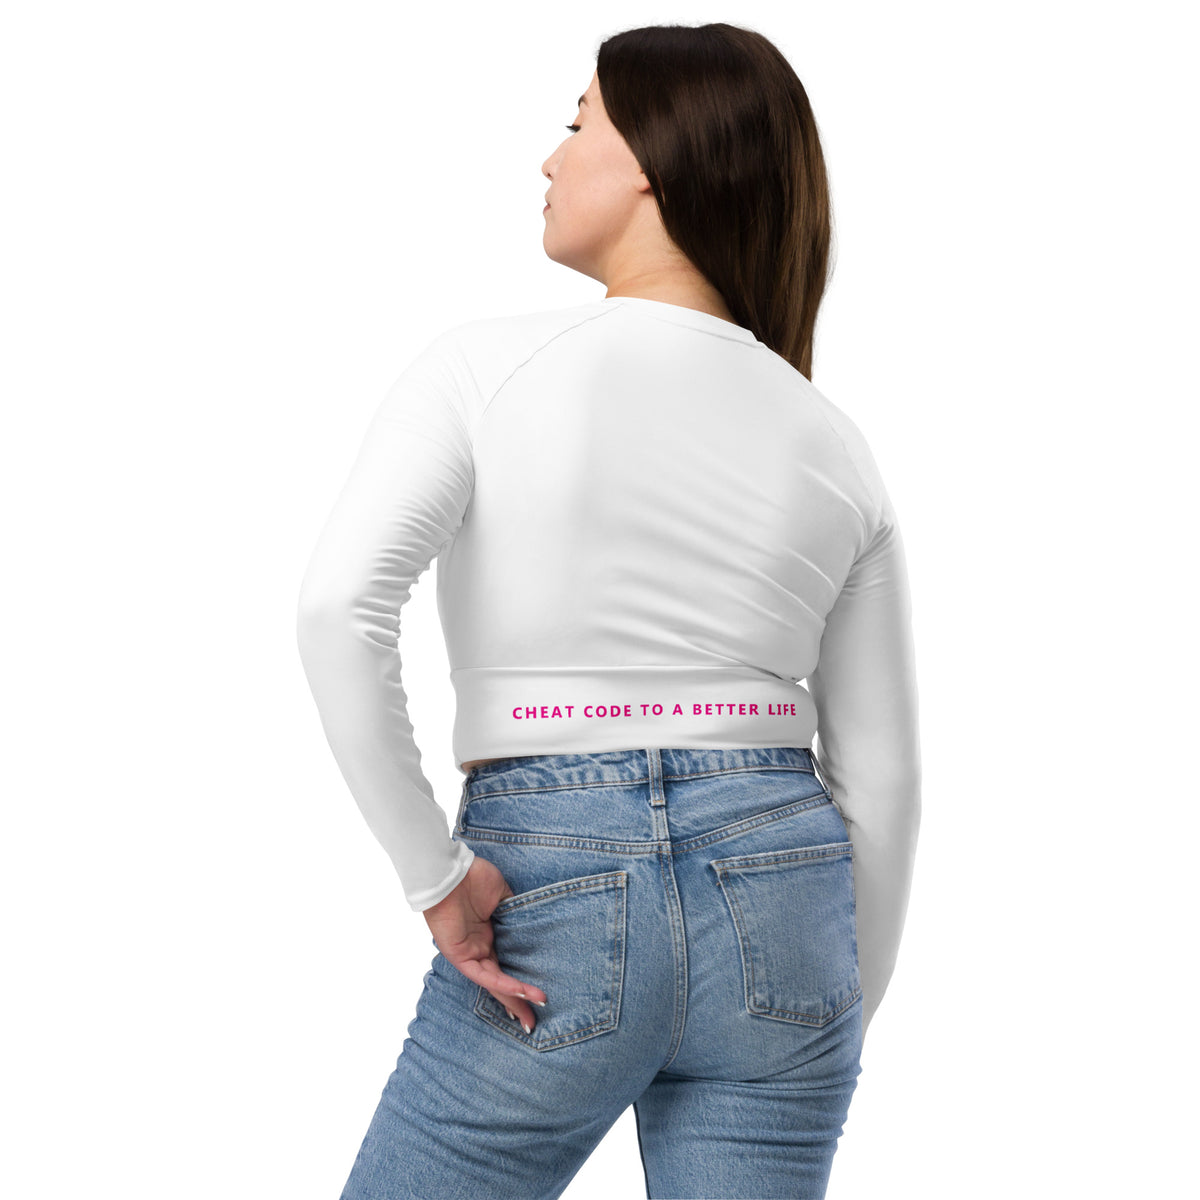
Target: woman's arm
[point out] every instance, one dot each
(405, 498)
(865, 691)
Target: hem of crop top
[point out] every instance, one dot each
(504, 712)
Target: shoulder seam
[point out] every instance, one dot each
(857, 470)
(822, 400)
(529, 358)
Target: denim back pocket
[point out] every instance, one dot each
(794, 915)
(568, 939)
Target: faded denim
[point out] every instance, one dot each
(690, 915)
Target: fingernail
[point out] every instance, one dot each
(539, 1003)
(512, 1016)
(526, 1027)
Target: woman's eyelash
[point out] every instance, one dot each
(573, 128)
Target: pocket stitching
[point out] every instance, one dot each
(724, 833)
(770, 858)
(488, 1007)
(585, 883)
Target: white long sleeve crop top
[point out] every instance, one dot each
(651, 530)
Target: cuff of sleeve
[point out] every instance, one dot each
(464, 856)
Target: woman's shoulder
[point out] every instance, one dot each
(494, 347)
(543, 323)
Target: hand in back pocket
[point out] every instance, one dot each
(568, 936)
(461, 924)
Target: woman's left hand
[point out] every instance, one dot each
(462, 930)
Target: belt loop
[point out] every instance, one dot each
(462, 801)
(658, 797)
(817, 771)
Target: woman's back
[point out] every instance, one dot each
(649, 529)
(657, 514)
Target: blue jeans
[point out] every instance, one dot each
(690, 916)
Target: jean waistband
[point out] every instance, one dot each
(617, 766)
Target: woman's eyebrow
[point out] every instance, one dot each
(582, 100)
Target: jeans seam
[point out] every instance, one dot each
(738, 828)
(536, 789)
(569, 842)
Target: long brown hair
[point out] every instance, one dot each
(721, 125)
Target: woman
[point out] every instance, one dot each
(650, 528)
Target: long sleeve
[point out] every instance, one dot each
(405, 498)
(865, 690)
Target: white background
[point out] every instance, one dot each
(227, 229)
